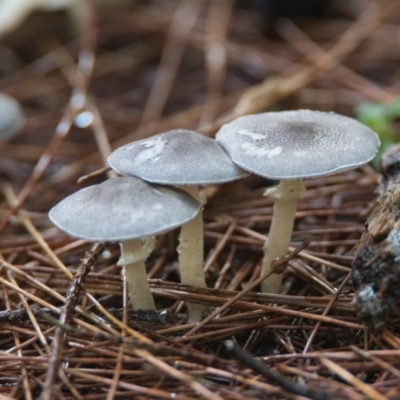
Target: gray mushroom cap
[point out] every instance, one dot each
(298, 144)
(178, 157)
(123, 209)
(12, 118)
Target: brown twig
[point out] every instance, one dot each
(281, 264)
(72, 299)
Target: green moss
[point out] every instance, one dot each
(380, 118)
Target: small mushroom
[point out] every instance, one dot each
(290, 146)
(13, 13)
(12, 118)
(186, 159)
(126, 210)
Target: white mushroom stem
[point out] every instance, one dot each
(191, 253)
(133, 256)
(277, 245)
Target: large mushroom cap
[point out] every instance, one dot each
(12, 118)
(123, 209)
(178, 157)
(298, 144)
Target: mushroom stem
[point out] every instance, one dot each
(133, 256)
(191, 254)
(280, 233)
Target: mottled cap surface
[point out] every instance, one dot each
(122, 209)
(298, 144)
(12, 118)
(179, 157)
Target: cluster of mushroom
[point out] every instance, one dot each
(128, 208)
(129, 211)
(287, 146)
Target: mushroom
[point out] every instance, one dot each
(14, 12)
(12, 118)
(186, 159)
(290, 146)
(126, 210)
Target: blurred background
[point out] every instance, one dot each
(196, 64)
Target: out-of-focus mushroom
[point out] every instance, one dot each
(12, 118)
(186, 159)
(126, 210)
(290, 146)
(14, 12)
